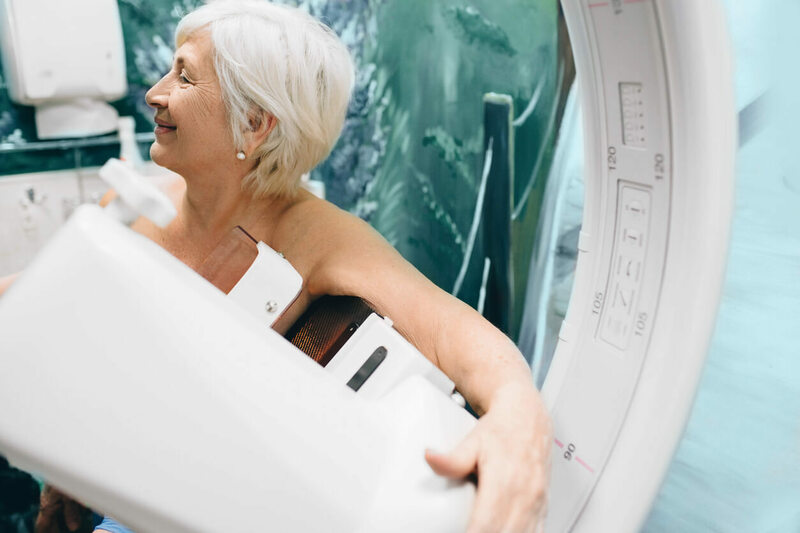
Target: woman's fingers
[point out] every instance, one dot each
(495, 510)
(457, 464)
(58, 513)
(74, 514)
(509, 450)
(505, 501)
(491, 509)
(512, 472)
(50, 506)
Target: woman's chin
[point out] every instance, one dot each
(158, 157)
(166, 165)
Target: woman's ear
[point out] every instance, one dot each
(260, 125)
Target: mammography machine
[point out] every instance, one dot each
(660, 140)
(135, 385)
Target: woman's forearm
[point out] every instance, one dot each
(482, 361)
(485, 364)
(509, 448)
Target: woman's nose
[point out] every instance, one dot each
(158, 95)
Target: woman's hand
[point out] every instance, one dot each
(509, 450)
(58, 513)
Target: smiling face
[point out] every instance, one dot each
(193, 134)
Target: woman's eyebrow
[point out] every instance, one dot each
(182, 62)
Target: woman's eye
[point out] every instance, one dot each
(183, 78)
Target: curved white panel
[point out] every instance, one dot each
(136, 386)
(660, 138)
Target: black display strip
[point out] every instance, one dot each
(366, 370)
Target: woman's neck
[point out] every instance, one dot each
(208, 214)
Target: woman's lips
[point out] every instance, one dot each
(162, 129)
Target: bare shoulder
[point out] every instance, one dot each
(339, 254)
(332, 246)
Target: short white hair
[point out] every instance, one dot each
(280, 60)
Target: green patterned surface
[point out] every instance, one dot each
(410, 157)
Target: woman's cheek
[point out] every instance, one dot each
(206, 102)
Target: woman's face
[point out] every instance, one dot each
(192, 130)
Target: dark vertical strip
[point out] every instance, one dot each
(498, 113)
(368, 368)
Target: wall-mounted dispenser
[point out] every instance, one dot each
(68, 60)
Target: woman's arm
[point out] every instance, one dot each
(510, 447)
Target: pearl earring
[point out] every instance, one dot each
(240, 155)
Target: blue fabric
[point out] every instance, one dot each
(109, 524)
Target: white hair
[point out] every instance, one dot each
(280, 60)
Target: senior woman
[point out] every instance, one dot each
(256, 97)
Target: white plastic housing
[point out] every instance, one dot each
(660, 141)
(136, 196)
(402, 359)
(136, 386)
(269, 286)
(66, 58)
